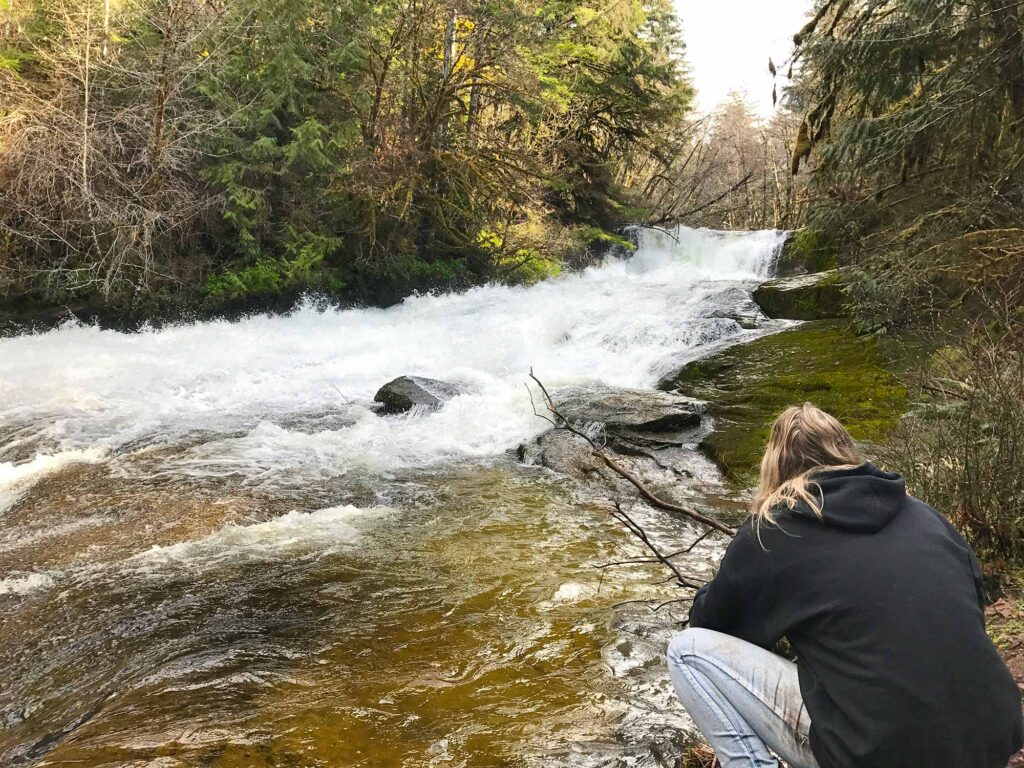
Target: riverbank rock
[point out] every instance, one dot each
(630, 422)
(746, 386)
(630, 412)
(736, 304)
(562, 452)
(817, 296)
(407, 392)
(806, 250)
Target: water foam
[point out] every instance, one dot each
(244, 386)
(26, 584)
(294, 533)
(16, 478)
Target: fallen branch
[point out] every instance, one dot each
(677, 217)
(620, 515)
(559, 421)
(658, 559)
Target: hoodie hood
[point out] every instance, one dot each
(863, 499)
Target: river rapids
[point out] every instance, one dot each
(213, 552)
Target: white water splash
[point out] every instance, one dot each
(25, 584)
(282, 401)
(15, 479)
(294, 533)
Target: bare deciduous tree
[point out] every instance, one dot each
(99, 141)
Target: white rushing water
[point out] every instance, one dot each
(283, 400)
(289, 535)
(215, 507)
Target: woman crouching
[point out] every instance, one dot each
(882, 602)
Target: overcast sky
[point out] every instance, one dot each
(728, 43)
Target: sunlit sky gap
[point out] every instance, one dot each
(728, 43)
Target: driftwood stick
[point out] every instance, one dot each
(633, 561)
(561, 422)
(696, 541)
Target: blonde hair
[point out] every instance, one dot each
(805, 440)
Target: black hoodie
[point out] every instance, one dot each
(882, 601)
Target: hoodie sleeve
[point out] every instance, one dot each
(741, 600)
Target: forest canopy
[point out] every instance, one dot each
(219, 151)
(914, 126)
(264, 148)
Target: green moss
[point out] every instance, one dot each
(819, 300)
(808, 250)
(820, 362)
(595, 236)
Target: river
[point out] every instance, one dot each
(213, 552)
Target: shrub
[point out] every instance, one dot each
(962, 450)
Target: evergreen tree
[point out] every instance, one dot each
(914, 119)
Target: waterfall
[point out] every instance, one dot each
(285, 400)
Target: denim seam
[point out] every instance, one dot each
(710, 702)
(732, 675)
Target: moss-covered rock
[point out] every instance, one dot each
(807, 250)
(817, 296)
(823, 362)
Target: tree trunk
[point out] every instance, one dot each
(1006, 17)
(85, 106)
(474, 108)
(106, 26)
(447, 66)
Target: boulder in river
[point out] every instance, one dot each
(817, 296)
(561, 451)
(632, 421)
(737, 305)
(630, 411)
(406, 392)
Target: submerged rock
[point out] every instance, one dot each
(406, 392)
(817, 296)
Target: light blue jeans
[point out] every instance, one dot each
(744, 699)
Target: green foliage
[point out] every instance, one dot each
(914, 117)
(962, 448)
(13, 60)
(592, 236)
(300, 269)
(613, 80)
(390, 133)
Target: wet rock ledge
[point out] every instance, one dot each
(815, 296)
(748, 385)
(653, 434)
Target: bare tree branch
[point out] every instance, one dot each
(561, 422)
